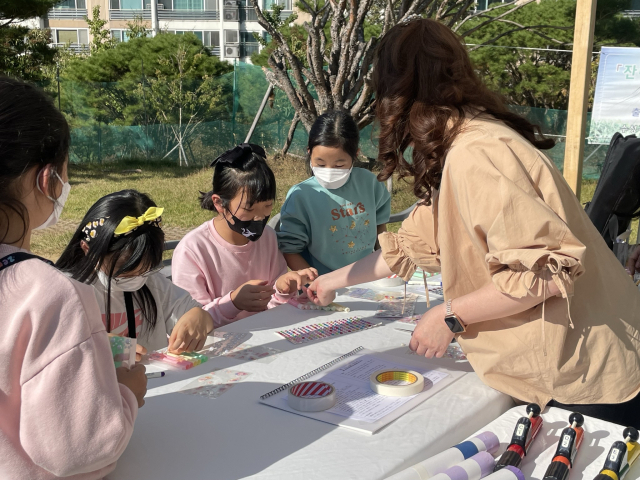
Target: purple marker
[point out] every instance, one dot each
(507, 473)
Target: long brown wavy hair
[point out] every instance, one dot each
(425, 84)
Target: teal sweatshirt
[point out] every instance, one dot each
(334, 228)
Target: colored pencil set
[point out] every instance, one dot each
(334, 328)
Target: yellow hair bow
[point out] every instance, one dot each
(129, 224)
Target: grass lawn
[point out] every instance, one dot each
(176, 189)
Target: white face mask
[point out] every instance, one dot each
(131, 284)
(331, 178)
(58, 204)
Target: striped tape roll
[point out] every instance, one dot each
(311, 396)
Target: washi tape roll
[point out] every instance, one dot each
(311, 396)
(396, 383)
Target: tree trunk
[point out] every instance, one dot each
(292, 130)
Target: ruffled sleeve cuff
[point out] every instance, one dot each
(403, 259)
(519, 273)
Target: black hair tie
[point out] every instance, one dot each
(240, 152)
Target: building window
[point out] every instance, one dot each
(197, 5)
(248, 37)
(129, 4)
(211, 39)
(268, 4)
(120, 35)
(231, 36)
(635, 4)
(66, 36)
(72, 4)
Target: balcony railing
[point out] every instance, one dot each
(187, 15)
(74, 47)
(214, 51)
(130, 14)
(247, 14)
(67, 13)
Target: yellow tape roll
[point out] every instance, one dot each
(396, 383)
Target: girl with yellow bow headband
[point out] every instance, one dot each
(118, 249)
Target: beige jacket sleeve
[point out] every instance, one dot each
(413, 246)
(525, 240)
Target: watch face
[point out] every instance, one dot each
(454, 324)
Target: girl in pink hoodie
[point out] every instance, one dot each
(231, 265)
(64, 409)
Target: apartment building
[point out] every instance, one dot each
(226, 27)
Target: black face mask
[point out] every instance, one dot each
(251, 229)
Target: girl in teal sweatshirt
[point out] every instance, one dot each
(333, 218)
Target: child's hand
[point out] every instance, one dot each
(140, 351)
(253, 296)
(293, 281)
(135, 380)
(190, 333)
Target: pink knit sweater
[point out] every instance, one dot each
(62, 411)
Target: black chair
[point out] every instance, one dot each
(166, 264)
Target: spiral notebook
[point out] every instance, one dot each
(357, 406)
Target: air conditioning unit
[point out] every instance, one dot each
(231, 15)
(232, 51)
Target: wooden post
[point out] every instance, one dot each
(579, 92)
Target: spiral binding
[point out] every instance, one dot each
(306, 376)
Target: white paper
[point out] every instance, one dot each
(354, 397)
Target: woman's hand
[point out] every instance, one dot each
(140, 351)
(318, 293)
(431, 336)
(190, 333)
(291, 282)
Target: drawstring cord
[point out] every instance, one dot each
(557, 274)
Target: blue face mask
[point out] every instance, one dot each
(251, 229)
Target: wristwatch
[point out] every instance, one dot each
(452, 320)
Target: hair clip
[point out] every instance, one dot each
(90, 230)
(240, 152)
(128, 224)
(410, 18)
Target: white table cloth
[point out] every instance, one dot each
(598, 438)
(235, 436)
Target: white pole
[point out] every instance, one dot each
(154, 18)
(221, 10)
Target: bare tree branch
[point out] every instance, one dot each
(518, 5)
(519, 29)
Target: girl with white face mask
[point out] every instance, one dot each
(118, 249)
(334, 218)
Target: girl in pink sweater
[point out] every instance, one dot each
(231, 265)
(64, 409)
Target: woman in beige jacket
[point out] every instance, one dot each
(510, 237)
